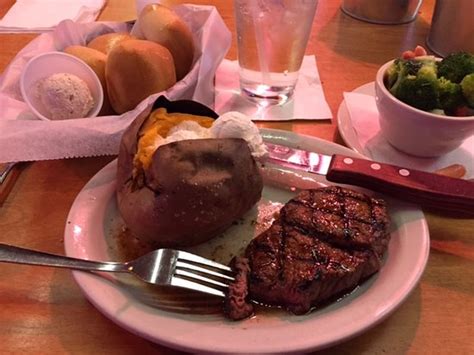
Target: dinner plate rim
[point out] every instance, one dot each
(278, 136)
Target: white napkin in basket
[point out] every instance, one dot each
(308, 102)
(44, 15)
(26, 139)
(365, 120)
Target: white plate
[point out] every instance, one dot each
(94, 213)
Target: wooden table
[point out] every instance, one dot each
(43, 311)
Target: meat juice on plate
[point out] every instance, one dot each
(281, 185)
(124, 246)
(272, 37)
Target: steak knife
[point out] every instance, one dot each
(419, 187)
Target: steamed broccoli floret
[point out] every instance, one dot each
(456, 66)
(449, 94)
(419, 92)
(399, 70)
(428, 70)
(467, 86)
(416, 83)
(391, 74)
(429, 85)
(403, 69)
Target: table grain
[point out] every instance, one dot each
(42, 310)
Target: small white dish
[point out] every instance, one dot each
(414, 131)
(89, 234)
(47, 64)
(378, 148)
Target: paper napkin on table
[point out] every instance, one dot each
(308, 100)
(365, 121)
(44, 15)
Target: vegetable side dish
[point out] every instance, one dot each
(441, 87)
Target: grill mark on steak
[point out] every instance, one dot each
(324, 242)
(353, 220)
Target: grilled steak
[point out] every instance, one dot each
(324, 242)
(236, 305)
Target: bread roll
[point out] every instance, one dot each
(162, 25)
(96, 60)
(105, 43)
(135, 70)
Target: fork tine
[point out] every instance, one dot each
(207, 271)
(200, 260)
(197, 273)
(192, 275)
(181, 282)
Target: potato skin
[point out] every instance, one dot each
(193, 190)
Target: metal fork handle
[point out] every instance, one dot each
(12, 254)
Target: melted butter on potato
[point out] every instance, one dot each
(155, 128)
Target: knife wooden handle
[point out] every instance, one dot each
(422, 188)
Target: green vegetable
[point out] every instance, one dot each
(428, 70)
(437, 86)
(456, 66)
(399, 70)
(418, 91)
(415, 82)
(467, 86)
(450, 95)
(392, 74)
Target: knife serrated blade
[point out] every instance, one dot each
(419, 187)
(299, 159)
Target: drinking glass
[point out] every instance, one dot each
(271, 42)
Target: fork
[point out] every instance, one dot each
(164, 267)
(4, 170)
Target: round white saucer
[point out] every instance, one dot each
(383, 152)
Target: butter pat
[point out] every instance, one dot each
(237, 125)
(64, 96)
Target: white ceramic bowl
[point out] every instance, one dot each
(50, 63)
(414, 131)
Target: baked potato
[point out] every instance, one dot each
(185, 192)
